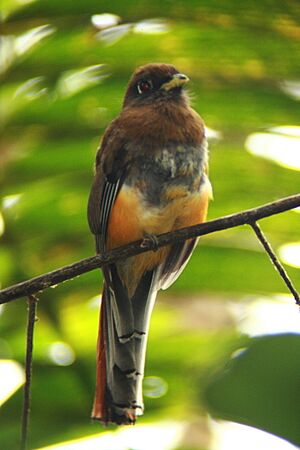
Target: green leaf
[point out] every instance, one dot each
(261, 387)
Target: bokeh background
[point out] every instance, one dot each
(64, 66)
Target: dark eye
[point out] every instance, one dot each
(144, 86)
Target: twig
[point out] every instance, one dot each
(31, 318)
(282, 272)
(42, 282)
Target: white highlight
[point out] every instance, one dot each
(154, 387)
(151, 26)
(290, 254)
(105, 20)
(27, 40)
(291, 88)
(10, 200)
(2, 225)
(31, 89)
(210, 133)
(233, 436)
(12, 378)
(112, 35)
(162, 436)
(281, 145)
(261, 316)
(61, 354)
(74, 81)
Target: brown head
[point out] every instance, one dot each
(155, 82)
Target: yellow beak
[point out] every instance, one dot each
(179, 79)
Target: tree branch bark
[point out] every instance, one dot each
(55, 277)
(275, 261)
(31, 319)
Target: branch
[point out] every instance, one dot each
(31, 319)
(277, 264)
(249, 216)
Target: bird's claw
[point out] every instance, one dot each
(150, 239)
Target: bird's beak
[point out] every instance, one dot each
(179, 79)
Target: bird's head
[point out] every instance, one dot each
(155, 82)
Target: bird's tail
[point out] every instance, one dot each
(121, 348)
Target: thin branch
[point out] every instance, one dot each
(249, 216)
(282, 272)
(31, 318)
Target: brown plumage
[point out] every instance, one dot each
(150, 178)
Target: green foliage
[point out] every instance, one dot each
(260, 387)
(237, 55)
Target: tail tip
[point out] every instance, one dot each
(119, 416)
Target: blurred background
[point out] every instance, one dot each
(64, 66)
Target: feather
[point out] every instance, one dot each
(123, 337)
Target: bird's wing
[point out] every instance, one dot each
(111, 165)
(101, 201)
(175, 262)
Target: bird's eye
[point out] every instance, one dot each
(144, 86)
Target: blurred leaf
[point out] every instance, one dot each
(55, 105)
(12, 47)
(72, 82)
(260, 387)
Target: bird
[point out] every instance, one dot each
(150, 177)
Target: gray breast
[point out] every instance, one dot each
(155, 171)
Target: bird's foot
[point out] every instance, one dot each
(150, 240)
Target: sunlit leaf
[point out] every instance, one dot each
(12, 378)
(105, 20)
(54, 108)
(72, 82)
(260, 387)
(281, 145)
(151, 26)
(31, 89)
(291, 88)
(290, 254)
(112, 35)
(13, 47)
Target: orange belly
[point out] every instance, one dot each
(131, 218)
